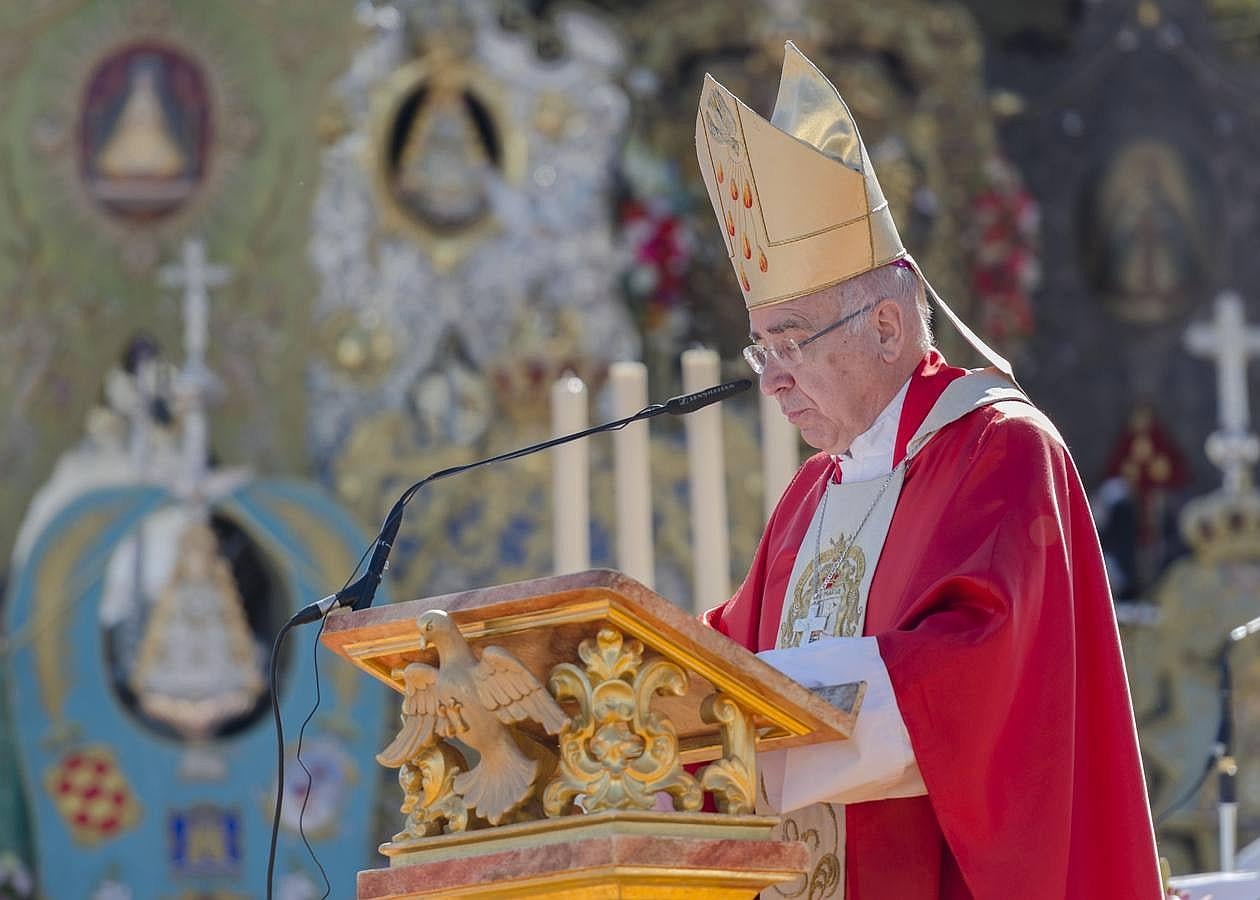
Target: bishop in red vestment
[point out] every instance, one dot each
(992, 615)
(941, 548)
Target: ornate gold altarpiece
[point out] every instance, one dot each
(559, 736)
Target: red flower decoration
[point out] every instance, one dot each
(1005, 260)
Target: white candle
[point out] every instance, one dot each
(570, 468)
(628, 381)
(780, 452)
(707, 476)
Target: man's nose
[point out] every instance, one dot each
(775, 377)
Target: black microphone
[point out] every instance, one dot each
(360, 594)
(689, 403)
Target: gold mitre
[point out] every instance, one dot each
(796, 197)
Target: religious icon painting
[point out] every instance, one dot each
(145, 131)
(204, 840)
(185, 650)
(197, 667)
(140, 121)
(92, 795)
(442, 139)
(1149, 240)
(184, 744)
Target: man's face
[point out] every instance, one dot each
(831, 395)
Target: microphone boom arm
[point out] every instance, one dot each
(359, 594)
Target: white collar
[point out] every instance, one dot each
(871, 453)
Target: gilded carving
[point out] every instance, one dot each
(617, 752)
(733, 777)
(475, 702)
(429, 797)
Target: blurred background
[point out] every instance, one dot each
(264, 264)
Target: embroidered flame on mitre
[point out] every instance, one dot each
(796, 198)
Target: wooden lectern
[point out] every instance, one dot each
(559, 736)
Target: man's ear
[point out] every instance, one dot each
(890, 329)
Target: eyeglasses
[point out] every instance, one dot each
(790, 353)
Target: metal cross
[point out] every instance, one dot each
(1229, 343)
(196, 276)
(809, 625)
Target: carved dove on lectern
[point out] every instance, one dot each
(475, 702)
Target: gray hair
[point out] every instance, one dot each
(889, 281)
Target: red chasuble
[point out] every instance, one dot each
(993, 616)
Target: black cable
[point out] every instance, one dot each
(310, 780)
(274, 685)
(1185, 798)
(275, 710)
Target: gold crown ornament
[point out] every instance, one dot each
(1223, 526)
(796, 197)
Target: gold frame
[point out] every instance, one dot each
(445, 252)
